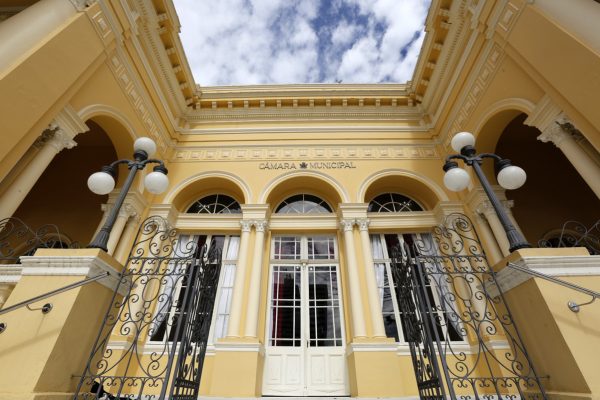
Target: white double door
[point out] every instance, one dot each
(305, 347)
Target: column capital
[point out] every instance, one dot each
(55, 137)
(486, 208)
(346, 225)
(260, 225)
(246, 225)
(560, 130)
(363, 224)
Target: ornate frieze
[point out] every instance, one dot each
(304, 154)
(137, 100)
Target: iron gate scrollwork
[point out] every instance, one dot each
(154, 334)
(462, 337)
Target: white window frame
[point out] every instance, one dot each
(387, 265)
(153, 345)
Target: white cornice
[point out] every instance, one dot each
(10, 274)
(316, 90)
(86, 266)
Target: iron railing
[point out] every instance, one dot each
(18, 239)
(575, 234)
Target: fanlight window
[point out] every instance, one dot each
(215, 204)
(303, 204)
(393, 202)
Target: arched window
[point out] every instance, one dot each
(393, 202)
(303, 204)
(215, 204)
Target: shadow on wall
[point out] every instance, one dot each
(554, 192)
(61, 196)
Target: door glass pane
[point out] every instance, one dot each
(324, 307)
(285, 306)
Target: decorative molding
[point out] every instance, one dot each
(82, 5)
(347, 225)
(509, 278)
(10, 274)
(545, 113)
(246, 225)
(363, 224)
(418, 221)
(85, 266)
(137, 96)
(558, 131)
(206, 222)
(295, 153)
(241, 347)
(304, 223)
(260, 226)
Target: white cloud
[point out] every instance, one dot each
(301, 41)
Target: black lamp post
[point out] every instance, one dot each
(509, 177)
(104, 182)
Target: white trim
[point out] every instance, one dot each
(10, 274)
(240, 183)
(509, 278)
(87, 266)
(371, 347)
(423, 180)
(239, 347)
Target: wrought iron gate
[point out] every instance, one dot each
(462, 337)
(154, 334)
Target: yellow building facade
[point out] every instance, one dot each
(306, 189)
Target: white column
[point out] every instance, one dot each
(577, 156)
(124, 246)
(486, 209)
(371, 280)
(235, 316)
(125, 212)
(493, 251)
(255, 280)
(358, 318)
(50, 143)
(40, 20)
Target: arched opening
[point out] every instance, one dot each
(304, 185)
(396, 184)
(215, 204)
(61, 196)
(303, 204)
(393, 202)
(554, 192)
(208, 189)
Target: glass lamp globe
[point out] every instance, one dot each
(461, 140)
(156, 182)
(145, 144)
(101, 183)
(512, 177)
(456, 179)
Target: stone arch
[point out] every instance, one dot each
(491, 124)
(207, 183)
(422, 189)
(310, 182)
(115, 124)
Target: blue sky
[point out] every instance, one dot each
(243, 42)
